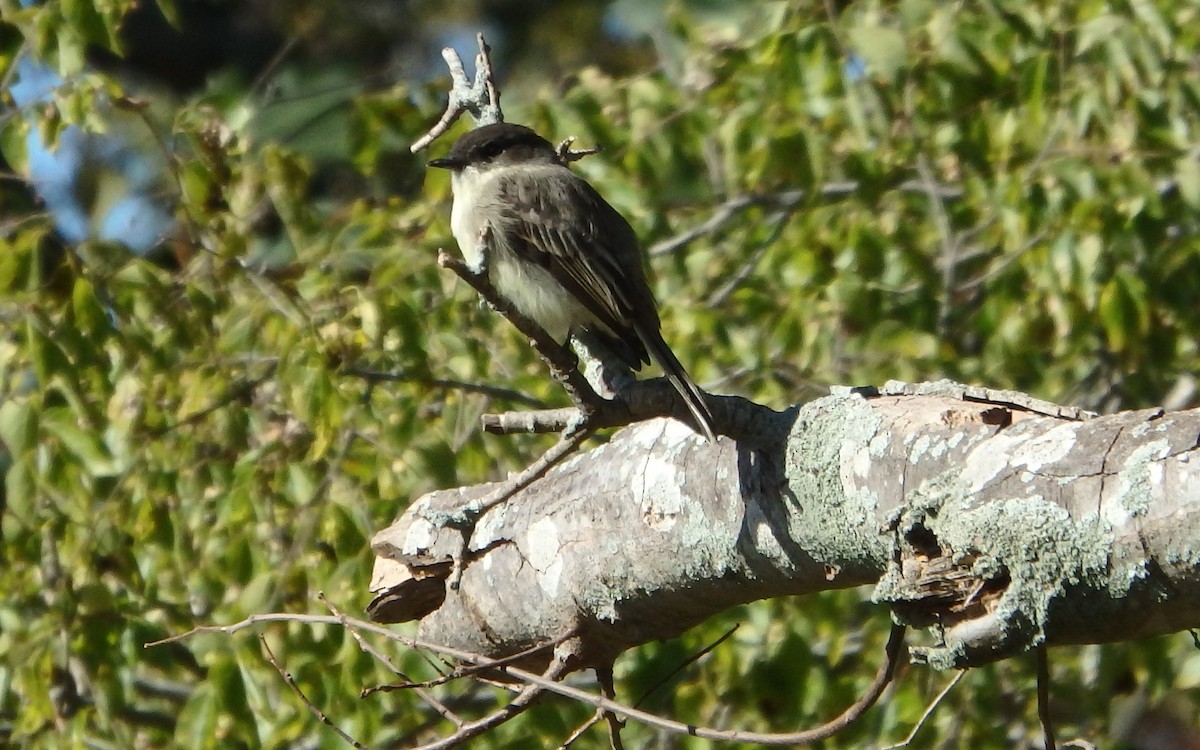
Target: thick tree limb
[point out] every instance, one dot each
(997, 521)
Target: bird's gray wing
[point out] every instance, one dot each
(558, 221)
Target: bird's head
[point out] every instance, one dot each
(498, 144)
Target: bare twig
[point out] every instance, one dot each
(824, 731)
(442, 709)
(572, 438)
(474, 669)
(548, 681)
(1004, 263)
(479, 97)
(291, 682)
(580, 730)
(566, 154)
(685, 664)
(1043, 696)
(784, 200)
(949, 242)
(540, 421)
(516, 706)
(928, 712)
(604, 675)
(506, 394)
(778, 221)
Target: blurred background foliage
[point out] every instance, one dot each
(227, 356)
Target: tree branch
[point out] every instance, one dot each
(479, 97)
(996, 519)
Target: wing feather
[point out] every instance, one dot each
(585, 244)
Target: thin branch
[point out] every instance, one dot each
(784, 200)
(549, 682)
(291, 682)
(473, 669)
(580, 730)
(566, 154)
(442, 709)
(572, 438)
(1003, 264)
(685, 664)
(514, 707)
(564, 365)
(949, 245)
(506, 394)
(1043, 696)
(816, 734)
(928, 712)
(604, 675)
(479, 97)
(778, 221)
(237, 392)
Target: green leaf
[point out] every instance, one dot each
(20, 487)
(882, 48)
(89, 315)
(18, 426)
(1187, 175)
(84, 445)
(1124, 311)
(1097, 30)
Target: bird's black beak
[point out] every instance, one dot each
(446, 163)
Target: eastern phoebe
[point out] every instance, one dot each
(559, 253)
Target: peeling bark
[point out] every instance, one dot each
(995, 520)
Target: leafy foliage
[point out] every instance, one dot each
(1004, 193)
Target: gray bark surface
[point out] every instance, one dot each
(996, 521)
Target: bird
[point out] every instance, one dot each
(557, 251)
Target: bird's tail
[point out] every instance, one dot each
(693, 397)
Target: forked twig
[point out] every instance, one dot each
(548, 681)
(566, 154)
(479, 97)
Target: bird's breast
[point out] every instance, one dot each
(529, 287)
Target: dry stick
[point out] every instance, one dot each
(882, 679)
(928, 712)
(516, 706)
(609, 689)
(582, 728)
(442, 709)
(291, 682)
(566, 154)
(858, 708)
(474, 669)
(1043, 696)
(479, 97)
(571, 440)
(685, 664)
(447, 384)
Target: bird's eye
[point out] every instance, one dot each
(492, 150)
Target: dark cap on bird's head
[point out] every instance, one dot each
(486, 143)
